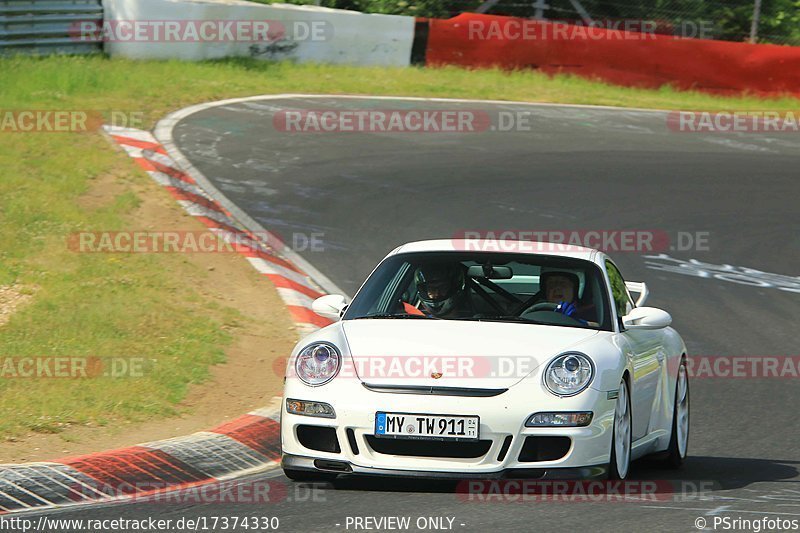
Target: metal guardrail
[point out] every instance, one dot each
(48, 26)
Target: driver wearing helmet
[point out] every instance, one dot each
(442, 290)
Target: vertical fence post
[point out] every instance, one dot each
(756, 18)
(540, 6)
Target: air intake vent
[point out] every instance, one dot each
(429, 448)
(319, 438)
(504, 449)
(351, 438)
(544, 449)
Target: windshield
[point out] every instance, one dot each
(479, 286)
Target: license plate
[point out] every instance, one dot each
(416, 426)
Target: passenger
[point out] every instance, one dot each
(562, 288)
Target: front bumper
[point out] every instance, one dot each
(502, 428)
(309, 464)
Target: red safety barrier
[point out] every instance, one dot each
(619, 57)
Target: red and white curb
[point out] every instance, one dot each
(297, 288)
(250, 443)
(247, 444)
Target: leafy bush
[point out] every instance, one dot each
(780, 19)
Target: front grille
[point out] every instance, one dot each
(429, 448)
(544, 449)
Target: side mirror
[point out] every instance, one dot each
(646, 318)
(329, 306)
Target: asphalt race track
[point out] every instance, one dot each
(576, 168)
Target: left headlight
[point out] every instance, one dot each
(568, 374)
(318, 363)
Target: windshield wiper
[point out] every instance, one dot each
(390, 315)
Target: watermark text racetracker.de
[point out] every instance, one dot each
(531, 491)
(72, 367)
(401, 121)
(514, 29)
(203, 241)
(66, 120)
(201, 31)
(606, 240)
(415, 367)
(734, 122)
(232, 492)
(743, 366)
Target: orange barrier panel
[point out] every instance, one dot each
(619, 57)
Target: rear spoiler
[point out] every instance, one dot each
(639, 287)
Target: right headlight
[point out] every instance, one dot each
(318, 363)
(568, 374)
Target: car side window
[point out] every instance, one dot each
(622, 298)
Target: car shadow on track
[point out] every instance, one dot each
(724, 472)
(721, 473)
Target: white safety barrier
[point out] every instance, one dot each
(211, 29)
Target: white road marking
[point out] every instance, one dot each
(727, 510)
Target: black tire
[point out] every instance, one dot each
(613, 467)
(673, 458)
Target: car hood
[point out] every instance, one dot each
(448, 353)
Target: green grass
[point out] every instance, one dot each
(102, 305)
(159, 87)
(133, 306)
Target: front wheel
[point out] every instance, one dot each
(620, 462)
(679, 439)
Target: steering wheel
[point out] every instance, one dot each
(559, 318)
(543, 306)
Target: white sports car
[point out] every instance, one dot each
(471, 359)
